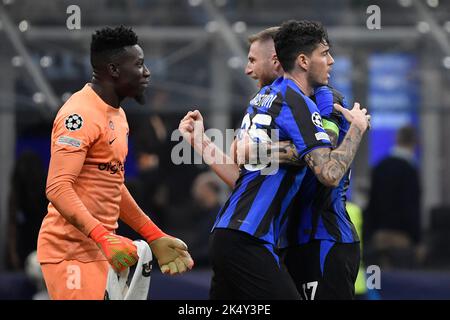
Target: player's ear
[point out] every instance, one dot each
(276, 63)
(274, 58)
(303, 61)
(113, 70)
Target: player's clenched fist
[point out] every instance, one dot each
(191, 126)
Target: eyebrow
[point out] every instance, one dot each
(326, 47)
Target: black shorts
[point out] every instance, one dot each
(324, 270)
(244, 267)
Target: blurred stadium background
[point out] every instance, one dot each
(196, 51)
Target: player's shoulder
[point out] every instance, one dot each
(264, 99)
(291, 91)
(274, 88)
(122, 114)
(294, 97)
(81, 112)
(82, 103)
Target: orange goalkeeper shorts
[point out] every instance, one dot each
(75, 280)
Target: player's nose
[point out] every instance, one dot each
(330, 60)
(248, 70)
(146, 73)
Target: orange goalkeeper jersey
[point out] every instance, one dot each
(85, 179)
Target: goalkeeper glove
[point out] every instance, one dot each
(120, 251)
(171, 253)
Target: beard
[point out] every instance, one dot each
(140, 98)
(315, 80)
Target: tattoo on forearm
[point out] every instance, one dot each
(286, 154)
(333, 137)
(330, 165)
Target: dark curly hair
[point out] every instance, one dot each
(110, 42)
(296, 37)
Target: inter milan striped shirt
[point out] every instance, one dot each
(259, 201)
(318, 212)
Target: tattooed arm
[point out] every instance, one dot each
(330, 165)
(333, 137)
(283, 152)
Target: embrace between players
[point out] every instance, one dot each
(286, 234)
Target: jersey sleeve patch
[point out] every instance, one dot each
(69, 141)
(322, 136)
(73, 122)
(317, 119)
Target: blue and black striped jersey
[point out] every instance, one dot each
(259, 201)
(318, 212)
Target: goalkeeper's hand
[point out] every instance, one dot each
(172, 255)
(120, 251)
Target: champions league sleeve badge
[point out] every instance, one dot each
(74, 122)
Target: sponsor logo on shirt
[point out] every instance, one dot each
(112, 167)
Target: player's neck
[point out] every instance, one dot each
(301, 81)
(105, 92)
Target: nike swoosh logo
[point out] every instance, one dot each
(111, 141)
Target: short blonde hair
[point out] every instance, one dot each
(264, 35)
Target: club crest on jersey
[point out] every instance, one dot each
(74, 122)
(317, 119)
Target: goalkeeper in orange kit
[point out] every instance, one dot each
(85, 184)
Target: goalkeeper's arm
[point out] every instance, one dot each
(119, 251)
(63, 171)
